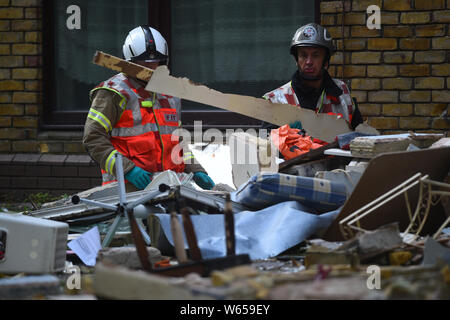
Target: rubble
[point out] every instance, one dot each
(29, 287)
(434, 253)
(139, 285)
(286, 244)
(126, 256)
(368, 147)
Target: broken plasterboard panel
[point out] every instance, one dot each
(322, 126)
(251, 155)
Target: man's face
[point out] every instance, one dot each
(310, 60)
(151, 65)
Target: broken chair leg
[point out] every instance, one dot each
(229, 228)
(139, 242)
(177, 235)
(191, 237)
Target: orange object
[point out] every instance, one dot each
(162, 263)
(292, 142)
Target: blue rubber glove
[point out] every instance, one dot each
(296, 125)
(139, 177)
(203, 180)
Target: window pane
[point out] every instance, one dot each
(104, 26)
(236, 46)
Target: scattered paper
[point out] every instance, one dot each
(87, 246)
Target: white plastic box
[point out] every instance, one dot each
(32, 245)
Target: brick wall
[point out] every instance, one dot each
(32, 160)
(400, 74)
(20, 74)
(22, 174)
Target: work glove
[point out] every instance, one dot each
(296, 125)
(203, 180)
(139, 177)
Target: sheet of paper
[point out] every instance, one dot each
(87, 246)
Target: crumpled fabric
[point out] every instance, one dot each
(292, 142)
(260, 234)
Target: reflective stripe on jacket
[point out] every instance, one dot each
(143, 133)
(342, 105)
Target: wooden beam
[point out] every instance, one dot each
(129, 68)
(321, 126)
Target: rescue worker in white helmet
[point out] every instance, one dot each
(311, 86)
(126, 118)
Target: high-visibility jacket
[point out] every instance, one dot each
(143, 133)
(341, 105)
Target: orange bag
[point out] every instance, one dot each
(292, 142)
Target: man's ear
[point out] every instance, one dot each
(326, 63)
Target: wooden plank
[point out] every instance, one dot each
(129, 68)
(321, 126)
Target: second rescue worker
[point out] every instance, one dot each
(311, 86)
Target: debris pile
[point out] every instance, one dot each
(369, 222)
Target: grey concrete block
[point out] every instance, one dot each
(26, 158)
(384, 238)
(6, 158)
(127, 256)
(52, 159)
(29, 287)
(78, 160)
(125, 284)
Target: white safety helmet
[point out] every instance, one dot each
(144, 43)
